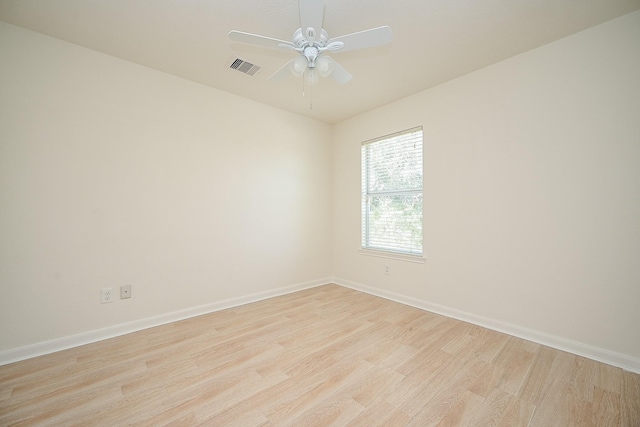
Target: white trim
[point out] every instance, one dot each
(46, 347)
(620, 360)
(392, 255)
(599, 354)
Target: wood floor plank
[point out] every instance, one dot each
(447, 395)
(322, 356)
(516, 359)
(584, 379)
(51, 412)
(537, 380)
(551, 398)
(487, 381)
(579, 412)
(517, 414)
(493, 408)
(214, 409)
(416, 382)
(490, 343)
(463, 411)
(630, 399)
(610, 378)
(372, 415)
(335, 411)
(378, 381)
(606, 408)
(439, 338)
(334, 381)
(382, 414)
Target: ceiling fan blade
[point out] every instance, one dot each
(241, 37)
(339, 74)
(368, 38)
(311, 16)
(283, 72)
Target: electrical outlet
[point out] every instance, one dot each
(125, 291)
(386, 270)
(106, 295)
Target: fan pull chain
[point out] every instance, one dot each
(304, 86)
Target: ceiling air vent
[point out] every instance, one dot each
(245, 67)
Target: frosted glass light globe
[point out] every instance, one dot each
(299, 65)
(324, 65)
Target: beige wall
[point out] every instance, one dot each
(532, 194)
(112, 173)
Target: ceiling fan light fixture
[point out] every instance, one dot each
(324, 65)
(311, 41)
(299, 65)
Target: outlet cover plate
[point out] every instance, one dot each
(106, 295)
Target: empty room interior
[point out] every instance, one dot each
(420, 212)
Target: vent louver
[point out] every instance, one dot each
(245, 67)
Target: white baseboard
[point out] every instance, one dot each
(39, 349)
(601, 355)
(595, 353)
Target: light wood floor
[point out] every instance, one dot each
(324, 356)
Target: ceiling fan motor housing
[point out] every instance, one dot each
(310, 34)
(309, 44)
(311, 53)
(301, 40)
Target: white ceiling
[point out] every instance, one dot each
(433, 40)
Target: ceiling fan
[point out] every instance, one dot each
(312, 43)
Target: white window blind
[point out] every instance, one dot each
(392, 193)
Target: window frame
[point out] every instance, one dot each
(367, 195)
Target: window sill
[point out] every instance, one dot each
(420, 259)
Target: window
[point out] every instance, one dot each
(392, 193)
